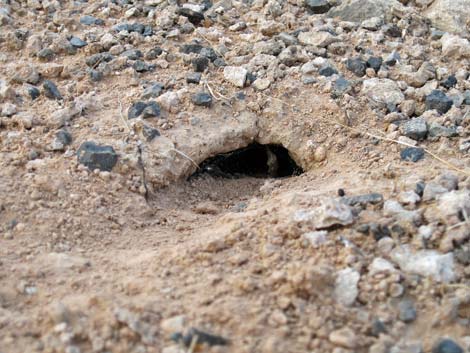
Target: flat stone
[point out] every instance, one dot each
(412, 154)
(318, 39)
(374, 63)
(195, 17)
(455, 46)
(193, 77)
(77, 42)
(202, 99)
(317, 6)
(95, 156)
(363, 200)
(415, 128)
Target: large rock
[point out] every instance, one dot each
(426, 263)
(383, 91)
(449, 15)
(361, 10)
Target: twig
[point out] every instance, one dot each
(193, 343)
(186, 156)
(220, 96)
(122, 116)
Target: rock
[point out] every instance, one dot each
(202, 99)
(146, 331)
(95, 75)
(149, 132)
(153, 91)
(449, 181)
(146, 109)
(416, 128)
(408, 197)
(132, 54)
(393, 58)
(50, 90)
(346, 290)
(8, 109)
(317, 6)
(455, 46)
(449, 15)
(95, 59)
(153, 53)
(90, 21)
(331, 212)
(449, 82)
(95, 156)
(77, 42)
(361, 10)
(438, 130)
(408, 107)
(363, 200)
(413, 154)
(393, 208)
(380, 265)
(383, 91)
(426, 263)
(261, 84)
(425, 73)
(327, 71)
(406, 311)
(373, 23)
(195, 17)
(236, 75)
(379, 231)
(200, 63)
(193, 77)
(6, 91)
(454, 203)
(344, 337)
(447, 345)
(169, 101)
(64, 137)
(340, 87)
(173, 324)
(374, 63)
(357, 66)
(315, 239)
(45, 54)
(392, 30)
(318, 39)
(432, 191)
(33, 92)
(439, 101)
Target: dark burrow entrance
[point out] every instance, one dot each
(255, 160)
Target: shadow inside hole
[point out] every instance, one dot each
(255, 160)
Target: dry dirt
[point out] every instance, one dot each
(94, 261)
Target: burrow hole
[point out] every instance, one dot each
(255, 160)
